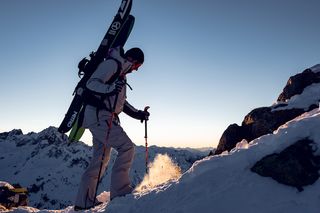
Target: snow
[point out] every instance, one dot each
(161, 170)
(5, 184)
(242, 144)
(309, 96)
(315, 68)
(224, 183)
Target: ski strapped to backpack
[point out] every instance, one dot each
(116, 35)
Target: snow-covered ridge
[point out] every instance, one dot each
(49, 167)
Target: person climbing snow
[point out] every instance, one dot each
(105, 100)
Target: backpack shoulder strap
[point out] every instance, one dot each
(116, 75)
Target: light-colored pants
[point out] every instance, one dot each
(120, 182)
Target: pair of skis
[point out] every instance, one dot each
(116, 35)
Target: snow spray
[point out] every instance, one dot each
(161, 170)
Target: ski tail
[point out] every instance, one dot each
(72, 113)
(76, 132)
(77, 129)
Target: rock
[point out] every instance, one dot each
(265, 120)
(297, 83)
(296, 166)
(258, 122)
(231, 136)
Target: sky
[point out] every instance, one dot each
(207, 63)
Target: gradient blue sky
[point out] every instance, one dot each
(208, 62)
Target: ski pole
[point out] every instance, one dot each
(146, 138)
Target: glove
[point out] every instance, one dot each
(118, 85)
(143, 115)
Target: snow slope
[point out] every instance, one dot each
(225, 183)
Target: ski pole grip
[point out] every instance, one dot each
(145, 110)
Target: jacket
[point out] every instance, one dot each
(97, 84)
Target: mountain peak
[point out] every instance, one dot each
(14, 132)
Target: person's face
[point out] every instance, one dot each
(135, 64)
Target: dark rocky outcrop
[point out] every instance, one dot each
(296, 166)
(230, 137)
(258, 122)
(265, 120)
(297, 83)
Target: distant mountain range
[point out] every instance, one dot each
(51, 169)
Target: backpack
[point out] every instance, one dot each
(12, 196)
(90, 98)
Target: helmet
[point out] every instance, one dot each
(136, 54)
